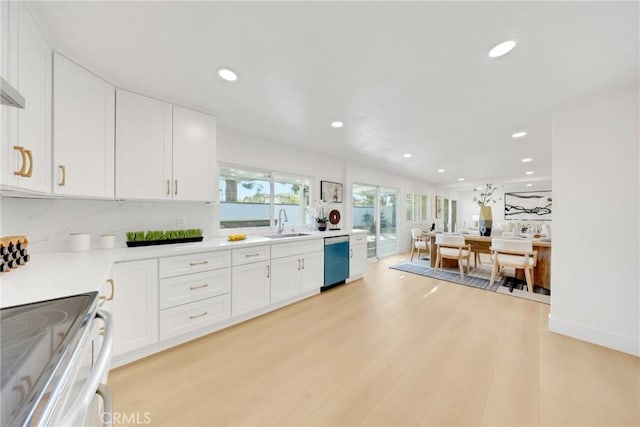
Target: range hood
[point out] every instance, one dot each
(10, 96)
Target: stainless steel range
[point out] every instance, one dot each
(49, 372)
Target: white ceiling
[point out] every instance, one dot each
(409, 77)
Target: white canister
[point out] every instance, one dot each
(107, 241)
(79, 242)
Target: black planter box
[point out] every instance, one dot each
(164, 242)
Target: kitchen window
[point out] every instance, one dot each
(253, 198)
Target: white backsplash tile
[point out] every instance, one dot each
(48, 222)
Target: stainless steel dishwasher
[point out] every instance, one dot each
(336, 261)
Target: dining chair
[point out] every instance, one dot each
(452, 246)
(514, 253)
(420, 242)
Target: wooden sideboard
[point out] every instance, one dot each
(481, 245)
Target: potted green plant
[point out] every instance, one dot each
(320, 215)
(159, 237)
(484, 200)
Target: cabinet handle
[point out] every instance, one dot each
(303, 263)
(113, 289)
(198, 315)
(351, 252)
(251, 255)
(30, 171)
(175, 187)
(298, 263)
(168, 187)
(193, 264)
(268, 271)
(101, 300)
(23, 154)
(63, 169)
(193, 288)
(101, 331)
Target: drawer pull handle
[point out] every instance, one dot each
(113, 289)
(252, 255)
(193, 288)
(193, 264)
(23, 155)
(198, 315)
(63, 175)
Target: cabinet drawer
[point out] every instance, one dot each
(185, 318)
(356, 239)
(193, 287)
(193, 263)
(248, 255)
(281, 250)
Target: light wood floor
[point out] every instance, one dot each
(392, 349)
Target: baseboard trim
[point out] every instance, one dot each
(595, 336)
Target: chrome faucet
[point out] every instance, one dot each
(281, 221)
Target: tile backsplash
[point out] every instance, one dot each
(48, 222)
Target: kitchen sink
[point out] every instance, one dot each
(283, 236)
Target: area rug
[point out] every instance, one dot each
(476, 278)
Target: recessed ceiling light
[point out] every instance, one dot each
(526, 160)
(408, 155)
(440, 170)
(460, 179)
(518, 135)
(502, 49)
(337, 124)
(529, 185)
(529, 173)
(227, 74)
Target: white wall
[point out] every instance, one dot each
(596, 190)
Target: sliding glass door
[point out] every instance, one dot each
(375, 210)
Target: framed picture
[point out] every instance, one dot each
(331, 191)
(528, 205)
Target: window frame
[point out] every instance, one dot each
(272, 174)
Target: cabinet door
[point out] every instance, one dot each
(194, 148)
(312, 273)
(357, 260)
(285, 277)
(135, 305)
(27, 135)
(143, 147)
(250, 287)
(83, 137)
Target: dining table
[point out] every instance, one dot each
(482, 245)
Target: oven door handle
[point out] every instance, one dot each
(101, 366)
(107, 408)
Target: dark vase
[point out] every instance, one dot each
(322, 226)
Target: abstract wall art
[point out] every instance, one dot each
(528, 205)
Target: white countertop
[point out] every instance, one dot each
(60, 274)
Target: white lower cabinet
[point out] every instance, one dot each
(285, 278)
(135, 305)
(185, 318)
(357, 255)
(312, 273)
(250, 287)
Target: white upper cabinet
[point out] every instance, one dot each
(163, 151)
(143, 147)
(83, 138)
(26, 134)
(194, 149)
